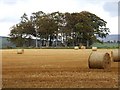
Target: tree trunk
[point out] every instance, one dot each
(87, 43)
(50, 42)
(47, 42)
(66, 40)
(56, 40)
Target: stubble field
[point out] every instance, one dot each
(55, 68)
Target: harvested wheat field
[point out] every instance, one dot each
(55, 68)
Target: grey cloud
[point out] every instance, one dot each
(9, 2)
(12, 2)
(112, 8)
(9, 19)
(99, 1)
(119, 8)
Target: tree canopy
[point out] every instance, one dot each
(52, 29)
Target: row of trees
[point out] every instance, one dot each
(68, 28)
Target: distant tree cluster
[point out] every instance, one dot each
(113, 41)
(69, 29)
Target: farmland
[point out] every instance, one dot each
(55, 68)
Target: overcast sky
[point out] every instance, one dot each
(12, 10)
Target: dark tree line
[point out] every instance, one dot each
(69, 29)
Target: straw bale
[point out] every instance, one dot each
(94, 48)
(83, 47)
(115, 55)
(20, 51)
(76, 48)
(99, 60)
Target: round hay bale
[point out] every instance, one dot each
(99, 60)
(94, 48)
(115, 55)
(76, 48)
(20, 51)
(83, 47)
